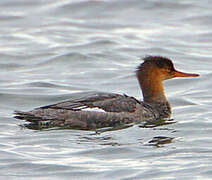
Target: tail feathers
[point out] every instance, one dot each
(26, 116)
(35, 123)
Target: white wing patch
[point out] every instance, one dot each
(96, 109)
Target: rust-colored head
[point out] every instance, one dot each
(162, 68)
(150, 75)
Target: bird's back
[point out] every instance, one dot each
(96, 111)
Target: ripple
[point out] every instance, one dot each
(54, 51)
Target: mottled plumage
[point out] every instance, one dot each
(119, 109)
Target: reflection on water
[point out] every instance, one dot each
(50, 50)
(160, 141)
(158, 122)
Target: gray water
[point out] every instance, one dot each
(56, 50)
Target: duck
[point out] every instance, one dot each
(110, 109)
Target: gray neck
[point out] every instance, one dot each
(163, 108)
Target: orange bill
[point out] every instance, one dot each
(182, 74)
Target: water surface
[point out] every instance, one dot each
(55, 50)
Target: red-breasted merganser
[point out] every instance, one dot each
(116, 109)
